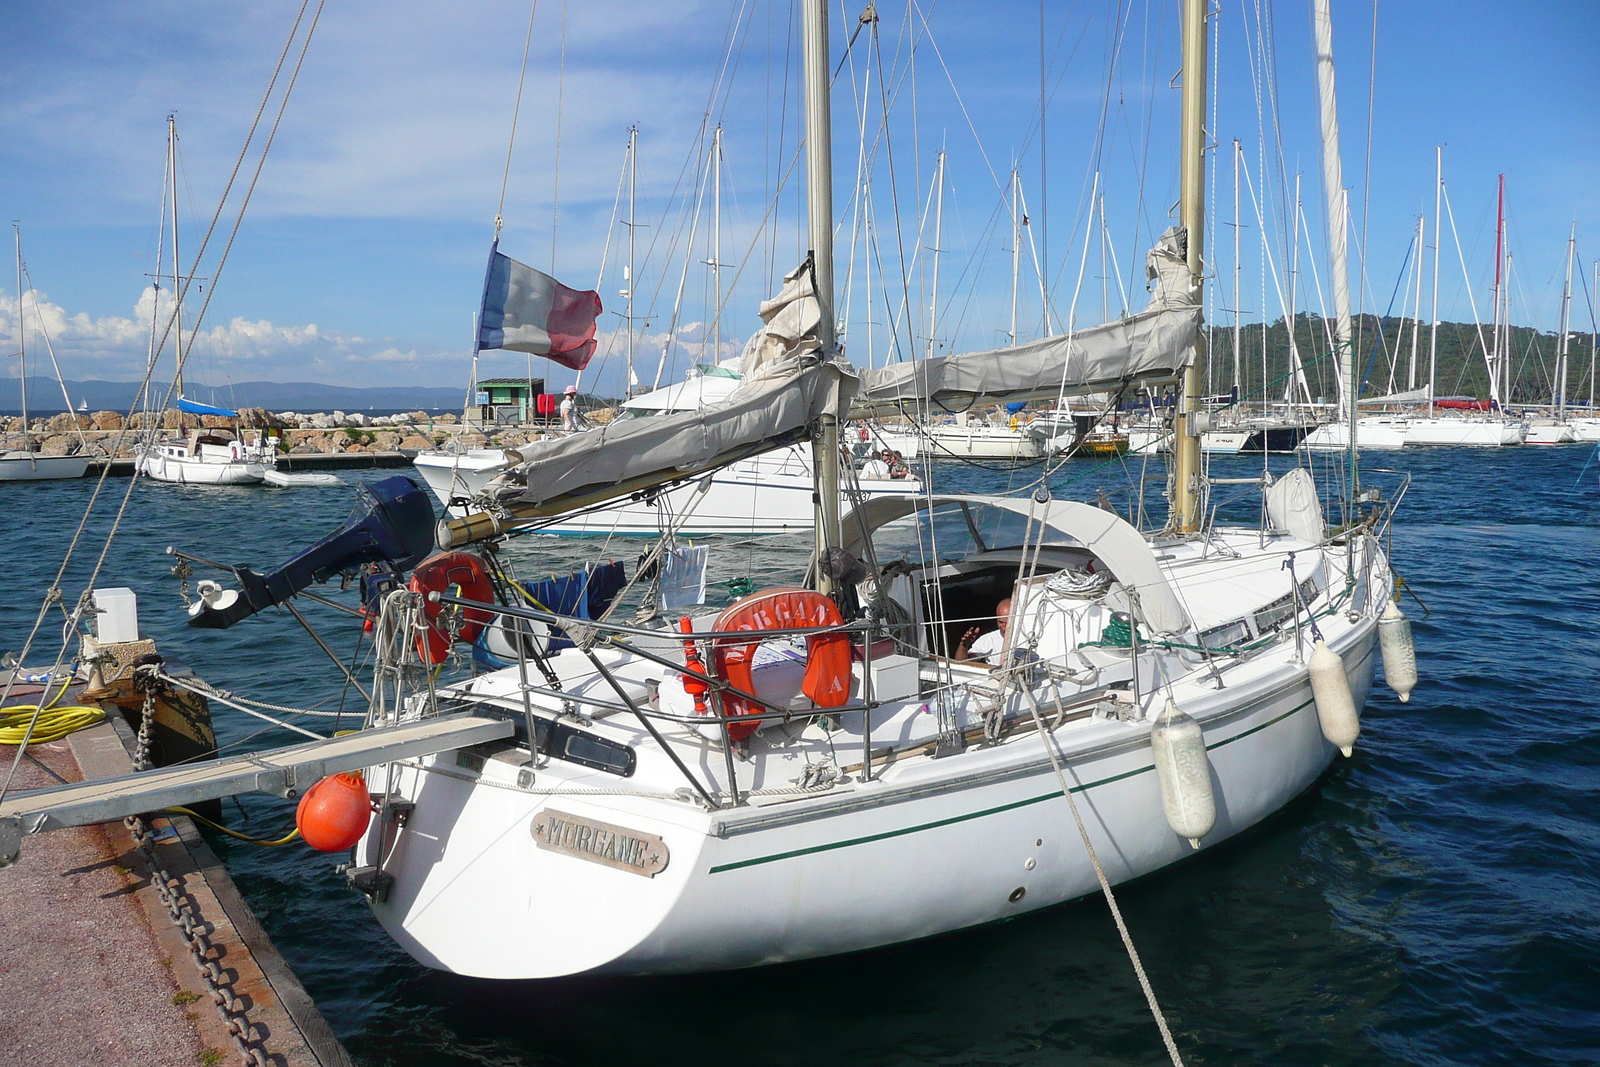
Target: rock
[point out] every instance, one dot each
(601, 416)
(355, 446)
(380, 420)
(386, 440)
(216, 422)
(447, 420)
(259, 419)
(289, 418)
(172, 419)
(305, 450)
(419, 416)
(320, 421)
(59, 445)
(106, 420)
(416, 441)
(19, 442)
(356, 418)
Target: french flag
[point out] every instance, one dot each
(525, 310)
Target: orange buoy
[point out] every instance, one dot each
(333, 814)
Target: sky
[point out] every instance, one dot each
(360, 259)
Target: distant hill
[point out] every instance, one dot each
(44, 396)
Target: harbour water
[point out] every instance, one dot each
(1435, 900)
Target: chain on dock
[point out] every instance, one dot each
(183, 913)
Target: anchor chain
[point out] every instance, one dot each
(181, 910)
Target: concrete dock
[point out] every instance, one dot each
(107, 947)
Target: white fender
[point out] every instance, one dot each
(1399, 651)
(1336, 708)
(1184, 773)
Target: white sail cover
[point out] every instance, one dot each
(786, 386)
(1153, 345)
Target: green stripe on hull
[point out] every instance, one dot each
(977, 814)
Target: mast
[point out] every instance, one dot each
(627, 274)
(1238, 380)
(1594, 335)
(1416, 311)
(1294, 315)
(22, 340)
(1499, 264)
(1566, 321)
(1338, 219)
(177, 286)
(716, 245)
(1192, 216)
(819, 221)
(1438, 235)
(938, 242)
(1016, 250)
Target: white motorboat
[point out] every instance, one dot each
(774, 782)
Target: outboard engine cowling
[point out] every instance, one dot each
(392, 524)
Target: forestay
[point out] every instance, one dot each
(1153, 345)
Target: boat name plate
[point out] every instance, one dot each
(600, 842)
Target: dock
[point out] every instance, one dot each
(117, 954)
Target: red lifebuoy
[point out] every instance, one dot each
(437, 574)
(827, 680)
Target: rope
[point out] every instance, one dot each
(1105, 884)
(197, 817)
(25, 724)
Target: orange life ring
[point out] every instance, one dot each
(439, 573)
(827, 679)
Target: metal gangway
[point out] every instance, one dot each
(284, 772)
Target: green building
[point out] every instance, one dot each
(506, 401)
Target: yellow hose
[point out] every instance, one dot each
(54, 723)
(290, 836)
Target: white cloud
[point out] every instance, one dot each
(115, 347)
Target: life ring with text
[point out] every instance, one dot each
(828, 657)
(438, 574)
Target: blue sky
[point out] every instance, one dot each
(361, 258)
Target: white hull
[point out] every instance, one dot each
(1556, 433)
(1469, 433)
(200, 471)
(767, 494)
(978, 441)
(1586, 429)
(929, 846)
(32, 467)
(1377, 433)
(1224, 442)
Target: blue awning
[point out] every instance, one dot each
(194, 408)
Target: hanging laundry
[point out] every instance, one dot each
(683, 578)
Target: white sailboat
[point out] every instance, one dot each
(24, 464)
(201, 456)
(766, 794)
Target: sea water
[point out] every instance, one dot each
(1435, 900)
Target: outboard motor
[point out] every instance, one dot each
(392, 525)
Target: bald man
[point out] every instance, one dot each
(976, 647)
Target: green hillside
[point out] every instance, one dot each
(1461, 370)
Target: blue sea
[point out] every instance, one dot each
(1434, 900)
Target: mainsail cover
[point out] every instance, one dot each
(1152, 345)
(787, 384)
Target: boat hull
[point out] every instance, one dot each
(767, 494)
(32, 467)
(885, 863)
(1468, 433)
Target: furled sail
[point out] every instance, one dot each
(1152, 345)
(787, 384)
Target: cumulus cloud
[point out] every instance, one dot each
(117, 347)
